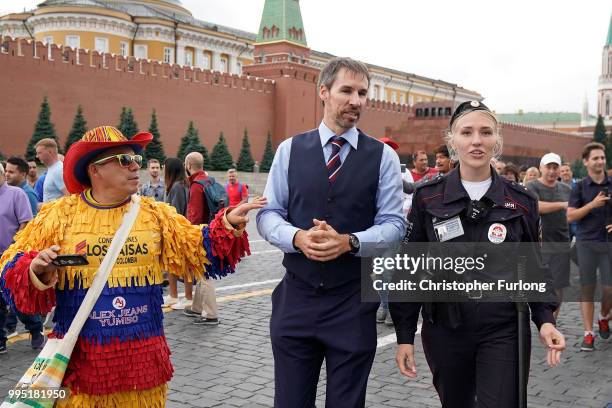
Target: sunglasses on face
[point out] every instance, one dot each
(125, 160)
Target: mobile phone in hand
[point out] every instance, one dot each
(70, 260)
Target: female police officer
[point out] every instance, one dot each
(476, 359)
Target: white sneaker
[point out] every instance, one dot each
(181, 304)
(13, 334)
(169, 301)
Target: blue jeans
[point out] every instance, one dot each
(32, 323)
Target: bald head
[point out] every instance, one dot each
(194, 161)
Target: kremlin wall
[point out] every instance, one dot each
(103, 83)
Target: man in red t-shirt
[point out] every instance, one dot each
(421, 167)
(237, 192)
(204, 306)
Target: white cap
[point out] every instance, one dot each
(550, 158)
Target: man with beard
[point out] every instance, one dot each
(335, 195)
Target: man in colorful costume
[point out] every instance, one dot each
(121, 358)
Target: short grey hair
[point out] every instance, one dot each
(1, 170)
(330, 70)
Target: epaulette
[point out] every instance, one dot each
(522, 189)
(430, 182)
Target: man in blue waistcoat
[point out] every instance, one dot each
(334, 195)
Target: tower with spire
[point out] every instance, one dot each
(604, 97)
(281, 31)
(281, 53)
(584, 118)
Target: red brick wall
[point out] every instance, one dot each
(215, 102)
(519, 141)
(286, 103)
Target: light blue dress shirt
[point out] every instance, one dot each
(389, 223)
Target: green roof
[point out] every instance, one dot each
(281, 20)
(609, 42)
(540, 118)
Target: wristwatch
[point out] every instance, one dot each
(354, 243)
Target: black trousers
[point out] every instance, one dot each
(476, 365)
(309, 325)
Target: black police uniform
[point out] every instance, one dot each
(471, 347)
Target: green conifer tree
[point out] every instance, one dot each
(578, 169)
(127, 124)
(599, 135)
(245, 160)
(122, 118)
(191, 143)
(43, 129)
(155, 149)
(220, 158)
(268, 156)
(79, 127)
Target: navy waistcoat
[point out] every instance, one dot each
(348, 205)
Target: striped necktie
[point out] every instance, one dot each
(334, 163)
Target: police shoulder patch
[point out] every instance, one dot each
(523, 190)
(432, 181)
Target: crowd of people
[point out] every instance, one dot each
(333, 195)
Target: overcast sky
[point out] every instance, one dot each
(535, 55)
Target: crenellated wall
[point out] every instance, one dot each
(280, 96)
(103, 83)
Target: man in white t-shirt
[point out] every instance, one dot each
(46, 152)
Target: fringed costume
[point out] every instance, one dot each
(121, 358)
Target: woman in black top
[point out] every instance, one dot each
(177, 191)
(471, 346)
(177, 195)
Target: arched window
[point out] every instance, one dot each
(607, 106)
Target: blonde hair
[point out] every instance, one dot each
(531, 169)
(449, 133)
(48, 143)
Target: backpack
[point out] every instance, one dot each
(216, 196)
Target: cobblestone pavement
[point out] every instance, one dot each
(231, 365)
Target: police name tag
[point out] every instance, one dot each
(448, 229)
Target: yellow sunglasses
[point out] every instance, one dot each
(125, 160)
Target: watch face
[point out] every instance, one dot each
(354, 241)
